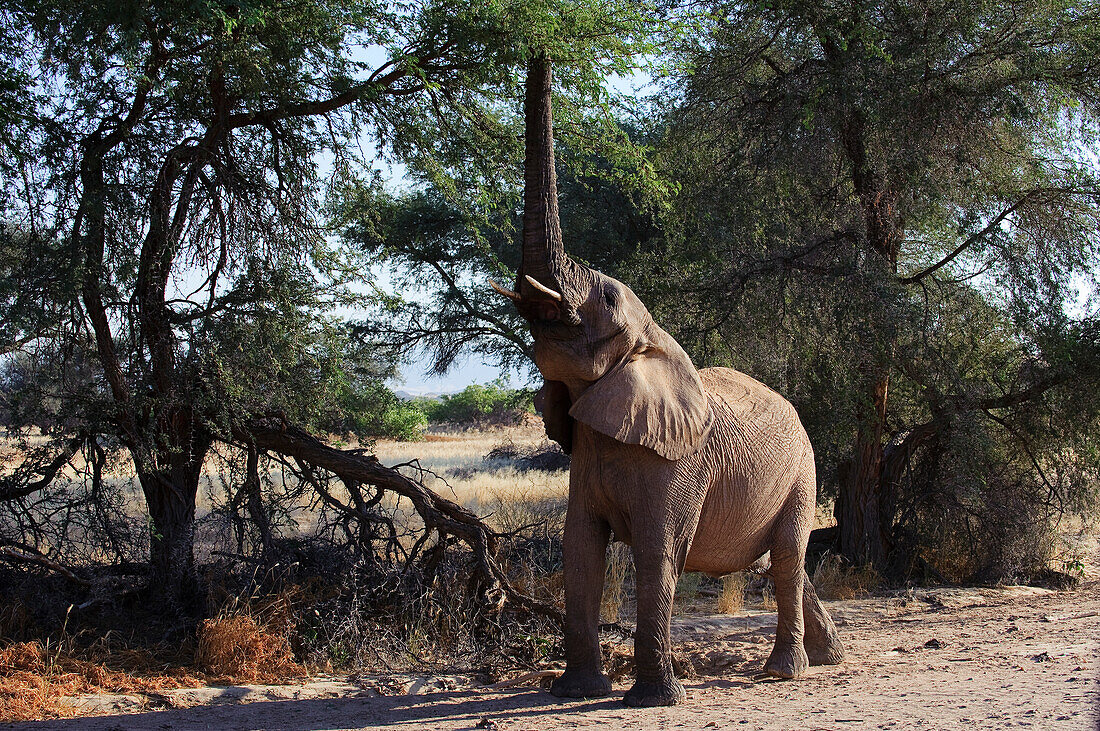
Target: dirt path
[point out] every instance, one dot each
(974, 658)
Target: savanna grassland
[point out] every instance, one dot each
(981, 656)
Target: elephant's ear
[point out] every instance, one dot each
(552, 401)
(654, 398)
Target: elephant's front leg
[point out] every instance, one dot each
(658, 563)
(584, 556)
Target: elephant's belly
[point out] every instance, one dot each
(739, 517)
(757, 453)
(725, 543)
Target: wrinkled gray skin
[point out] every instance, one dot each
(699, 471)
(695, 470)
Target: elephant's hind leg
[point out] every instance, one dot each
(788, 556)
(823, 645)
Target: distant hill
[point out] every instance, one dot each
(408, 394)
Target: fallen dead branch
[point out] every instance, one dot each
(441, 516)
(38, 559)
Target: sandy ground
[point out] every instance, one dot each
(925, 659)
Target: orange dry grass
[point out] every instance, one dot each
(34, 686)
(238, 647)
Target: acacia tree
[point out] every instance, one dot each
(167, 155)
(172, 160)
(877, 185)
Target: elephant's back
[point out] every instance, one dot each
(746, 399)
(757, 435)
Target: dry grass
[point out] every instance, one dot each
(767, 598)
(241, 646)
(241, 649)
(456, 467)
(619, 561)
(834, 579)
(35, 682)
(732, 597)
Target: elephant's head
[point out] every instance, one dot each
(605, 361)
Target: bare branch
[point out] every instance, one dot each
(437, 512)
(11, 554)
(20, 483)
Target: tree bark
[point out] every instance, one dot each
(863, 534)
(169, 477)
(171, 502)
(864, 529)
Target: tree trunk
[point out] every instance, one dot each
(170, 481)
(864, 529)
(863, 536)
(171, 502)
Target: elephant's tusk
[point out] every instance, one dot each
(542, 287)
(504, 290)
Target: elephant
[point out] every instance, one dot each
(697, 470)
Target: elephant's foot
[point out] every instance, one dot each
(655, 693)
(825, 653)
(581, 684)
(787, 662)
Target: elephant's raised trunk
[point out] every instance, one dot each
(543, 251)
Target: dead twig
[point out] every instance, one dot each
(438, 514)
(39, 560)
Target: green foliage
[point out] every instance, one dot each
(163, 174)
(892, 193)
(439, 257)
(372, 410)
(844, 197)
(492, 402)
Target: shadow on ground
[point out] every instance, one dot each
(460, 708)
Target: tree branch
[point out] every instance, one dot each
(39, 560)
(383, 84)
(971, 240)
(20, 483)
(437, 512)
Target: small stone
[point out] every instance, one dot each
(933, 644)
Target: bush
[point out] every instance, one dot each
(492, 403)
(547, 457)
(973, 508)
(369, 409)
(239, 648)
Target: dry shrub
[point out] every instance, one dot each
(546, 587)
(15, 620)
(835, 579)
(546, 456)
(618, 662)
(767, 598)
(732, 597)
(240, 649)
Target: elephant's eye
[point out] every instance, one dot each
(609, 298)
